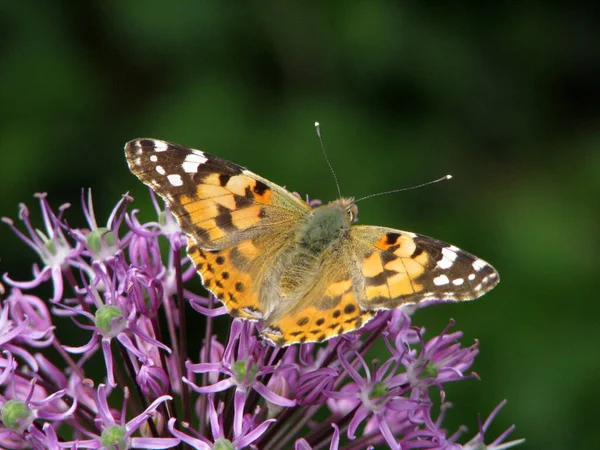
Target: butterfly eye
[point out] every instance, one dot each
(352, 211)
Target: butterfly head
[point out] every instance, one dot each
(349, 208)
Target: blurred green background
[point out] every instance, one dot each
(505, 97)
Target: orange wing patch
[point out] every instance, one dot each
(392, 268)
(221, 274)
(313, 324)
(400, 267)
(223, 204)
(391, 272)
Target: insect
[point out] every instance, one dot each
(306, 274)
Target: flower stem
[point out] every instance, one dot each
(182, 354)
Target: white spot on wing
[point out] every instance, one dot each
(479, 264)
(449, 253)
(192, 161)
(458, 282)
(471, 277)
(441, 280)
(175, 179)
(160, 170)
(160, 146)
(153, 158)
(445, 263)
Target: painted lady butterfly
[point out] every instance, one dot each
(307, 274)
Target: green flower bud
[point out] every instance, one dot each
(379, 389)
(114, 437)
(240, 370)
(223, 444)
(16, 415)
(97, 237)
(104, 320)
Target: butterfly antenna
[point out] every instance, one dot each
(447, 177)
(318, 128)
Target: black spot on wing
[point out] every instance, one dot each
(224, 220)
(260, 188)
(387, 257)
(224, 178)
(393, 248)
(349, 309)
(303, 321)
(417, 252)
(244, 201)
(392, 238)
(380, 279)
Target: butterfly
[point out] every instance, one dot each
(306, 274)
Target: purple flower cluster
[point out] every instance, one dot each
(102, 360)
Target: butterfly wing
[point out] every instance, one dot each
(215, 201)
(329, 307)
(399, 267)
(376, 268)
(237, 222)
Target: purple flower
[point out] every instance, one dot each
(114, 317)
(243, 436)
(52, 247)
(119, 296)
(440, 360)
(118, 433)
(374, 396)
(24, 402)
(101, 243)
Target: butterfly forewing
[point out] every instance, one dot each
(399, 267)
(216, 202)
(238, 223)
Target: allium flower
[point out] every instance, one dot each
(125, 300)
(53, 247)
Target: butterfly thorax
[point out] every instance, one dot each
(320, 231)
(324, 226)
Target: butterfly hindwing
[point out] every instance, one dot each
(231, 283)
(329, 307)
(400, 267)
